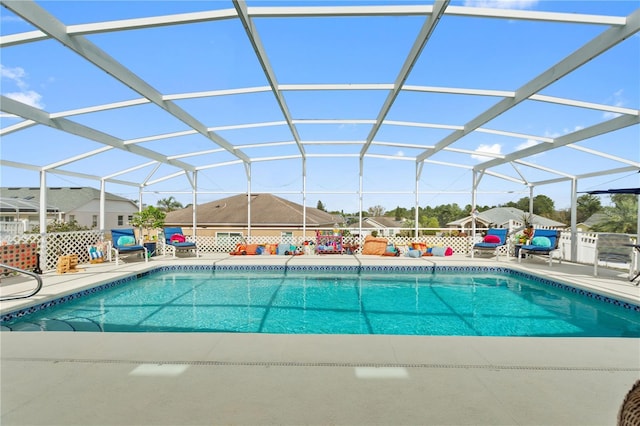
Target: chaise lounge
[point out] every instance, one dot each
(544, 243)
(176, 241)
(495, 238)
(124, 243)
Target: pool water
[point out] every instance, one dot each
(452, 304)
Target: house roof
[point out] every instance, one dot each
(378, 222)
(595, 219)
(266, 210)
(500, 216)
(64, 199)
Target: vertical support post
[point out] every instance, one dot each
(194, 200)
(43, 220)
(304, 199)
(416, 216)
(360, 201)
(247, 168)
(474, 212)
(574, 220)
(102, 205)
(531, 203)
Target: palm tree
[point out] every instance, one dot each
(169, 204)
(622, 217)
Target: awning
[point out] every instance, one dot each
(615, 191)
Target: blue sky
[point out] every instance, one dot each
(464, 52)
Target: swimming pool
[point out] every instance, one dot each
(449, 301)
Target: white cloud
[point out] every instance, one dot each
(529, 143)
(502, 4)
(496, 148)
(18, 76)
(618, 101)
(400, 153)
(28, 97)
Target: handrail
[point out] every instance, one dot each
(33, 274)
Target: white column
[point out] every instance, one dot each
(574, 220)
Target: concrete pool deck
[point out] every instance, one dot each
(253, 379)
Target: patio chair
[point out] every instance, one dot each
(174, 241)
(544, 243)
(495, 238)
(124, 243)
(614, 248)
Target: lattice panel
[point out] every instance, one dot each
(66, 243)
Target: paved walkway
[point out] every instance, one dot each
(252, 379)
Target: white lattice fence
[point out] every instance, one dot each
(211, 244)
(65, 243)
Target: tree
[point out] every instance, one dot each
(400, 213)
(149, 218)
(586, 206)
(377, 210)
(56, 226)
(169, 204)
(320, 206)
(622, 217)
(447, 213)
(542, 205)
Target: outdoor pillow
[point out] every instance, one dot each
(541, 242)
(178, 238)
(438, 251)
(126, 240)
(491, 239)
(413, 253)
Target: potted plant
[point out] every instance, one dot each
(148, 219)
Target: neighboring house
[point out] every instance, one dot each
(503, 217)
(385, 226)
(270, 214)
(594, 219)
(67, 204)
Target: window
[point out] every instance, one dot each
(286, 237)
(228, 239)
(94, 221)
(228, 235)
(120, 220)
(129, 218)
(72, 218)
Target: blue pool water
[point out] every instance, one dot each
(454, 304)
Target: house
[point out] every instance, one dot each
(270, 214)
(591, 221)
(385, 226)
(504, 217)
(67, 204)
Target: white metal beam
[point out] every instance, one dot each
(18, 108)
(40, 18)
(258, 48)
(593, 48)
(421, 40)
(588, 132)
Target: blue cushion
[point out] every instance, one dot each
(438, 251)
(541, 242)
(126, 240)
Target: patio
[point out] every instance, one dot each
(159, 378)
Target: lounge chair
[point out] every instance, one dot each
(124, 243)
(544, 243)
(174, 240)
(614, 248)
(495, 238)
